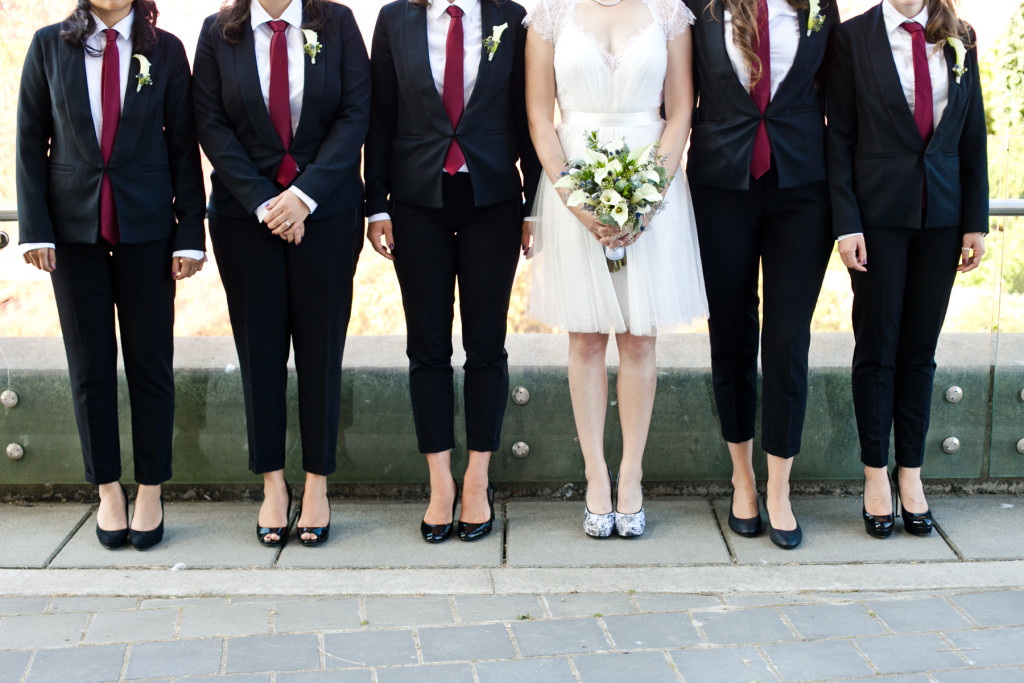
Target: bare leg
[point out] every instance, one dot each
(744, 483)
(912, 490)
(274, 511)
(638, 378)
(316, 510)
(475, 509)
(779, 510)
(147, 513)
(588, 387)
(442, 488)
(877, 491)
(110, 514)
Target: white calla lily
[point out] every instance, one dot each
(642, 153)
(611, 198)
(961, 53)
(593, 157)
(568, 181)
(646, 193)
(620, 213)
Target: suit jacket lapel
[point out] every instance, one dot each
(134, 111)
(417, 56)
(249, 83)
(715, 32)
(957, 100)
(312, 95)
(889, 86)
(490, 16)
(76, 99)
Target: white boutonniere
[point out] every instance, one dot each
(312, 46)
(492, 41)
(143, 77)
(961, 52)
(814, 19)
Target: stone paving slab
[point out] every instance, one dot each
(31, 534)
(387, 534)
(980, 526)
(834, 533)
(679, 532)
(199, 535)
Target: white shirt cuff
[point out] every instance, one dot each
(262, 210)
(29, 246)
(532, 219)
(849, 234)
(306, 199)
(378, 217)
(193, 254)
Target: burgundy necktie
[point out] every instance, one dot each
(280, 100)
(923, 107)
(761, 93)
(110, 94)
(454, 87)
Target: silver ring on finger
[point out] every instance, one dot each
(288, 224)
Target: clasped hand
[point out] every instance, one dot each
(608, 235)
(182, 267)
(286, 217)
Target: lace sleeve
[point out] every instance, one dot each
(673, 16)
(546, 19)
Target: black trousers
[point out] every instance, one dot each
(788, 233)
(899, 306)
(281, 294)
(478, 247)
(90, 281)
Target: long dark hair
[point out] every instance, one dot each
(234, 14)
(79, 25)
(744, 28)
(944, 22)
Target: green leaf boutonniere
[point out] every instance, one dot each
(814, 19)
(492, 41)
(312, 46)
(961, 52)
(143, 77)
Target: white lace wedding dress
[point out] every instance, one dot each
(619, 95)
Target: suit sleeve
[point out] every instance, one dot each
(529, 164)
(842, 136)
(974, 153)
(832, 21)
(383, 121)
(338, 155)
(220, 142)
(183, 156)
(35, 129)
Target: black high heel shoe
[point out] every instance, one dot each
(112, 540)
(143, 540)
(438, 533)
(749, 527)
(281, 531)
(320, 533)
(918, 524)
(470, 531)
(787, 540)
(879, 526)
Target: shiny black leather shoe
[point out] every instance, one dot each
(918, 524)
(470, 531)
(112, 540)
(879, 526)
(787, 540)
(438, 533)
(749, 527)
(281, 531)
(143, 540)
(320, 533)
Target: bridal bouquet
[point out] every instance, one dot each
(618, 185)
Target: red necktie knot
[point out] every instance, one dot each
(111, 35)
(912, 27)
(454, 11)
(278, 25)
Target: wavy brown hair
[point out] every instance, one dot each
(234, 14)
(944, 22)
(744, 28)
(80, 24)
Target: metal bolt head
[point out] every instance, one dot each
(15, 451)
(1020, 446)
(520, 449)
(8, 399)
(520, 396)
(954, 394)
(951, 445)
(1022, 394)
(4, 239)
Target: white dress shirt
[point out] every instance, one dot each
(438, 21)
(262, 33)
(902, 46)
(784, 39)
(94, 81)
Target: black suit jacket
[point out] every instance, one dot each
(239, 138)
(726, 119)
(410, 132)
(154, 168)
(878, 163)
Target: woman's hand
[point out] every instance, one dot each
(294, 234)
(43, 259)
(974, 249)
(285, 210)
(378, 233)
(605, 234)
(183, 267)
(527, 238)
(854, 253)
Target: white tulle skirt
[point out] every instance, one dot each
(662, 286)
